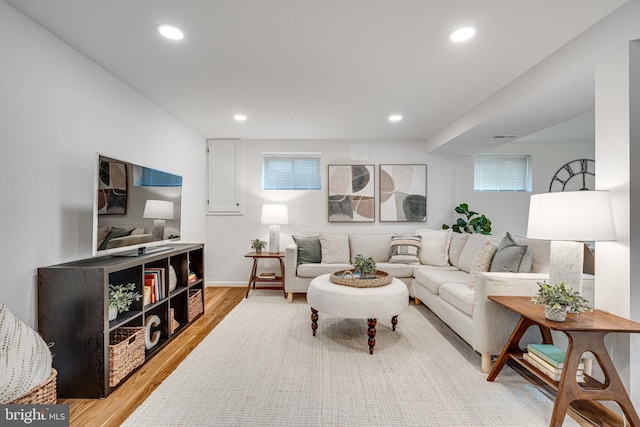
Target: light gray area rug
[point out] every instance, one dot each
(261, 366)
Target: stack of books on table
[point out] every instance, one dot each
(549, 360)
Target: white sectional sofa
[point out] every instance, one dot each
(452, 275)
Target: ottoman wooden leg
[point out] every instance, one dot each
(314, 320)
(372, 333)
(394, 322)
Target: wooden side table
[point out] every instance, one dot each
(586, 332)
(255, 278)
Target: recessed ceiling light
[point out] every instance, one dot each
(462, 34)
(170, 32)
(395, 118)
(240, 118)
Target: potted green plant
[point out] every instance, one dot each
(475, 222)
(258, 245)
(365, 266)
(121, 297)
(559, 299)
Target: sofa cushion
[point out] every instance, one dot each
(115, 232)
(511, 257)
(432, 278)
(405, 250)
(482, 261)
(313, 270)
(459, 295)
(396, 269)
(375, 246)
(335, 248)
(435, 247)
(458, 240)
(25, 359)
(540, 253)
(471, 248)
(309, 249)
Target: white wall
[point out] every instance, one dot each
(509, 211)
(229, 236)
(57, 110)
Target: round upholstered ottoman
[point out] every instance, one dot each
(357, 303)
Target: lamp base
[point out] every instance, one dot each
(274, 238)
(158, 229)
(566, 263)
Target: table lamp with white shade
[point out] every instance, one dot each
(568, 219)
(274, 215)
(159, 211)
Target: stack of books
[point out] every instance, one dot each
(549, 360)
(153, 285)
(192, 277)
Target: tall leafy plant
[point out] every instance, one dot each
(474, 222)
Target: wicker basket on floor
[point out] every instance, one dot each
(44, 394)
(126, 352)
(195, 304)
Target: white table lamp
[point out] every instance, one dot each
(568, 219)
(274, 215)
(159, 210)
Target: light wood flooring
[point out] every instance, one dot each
(219, 301)
(113, 410)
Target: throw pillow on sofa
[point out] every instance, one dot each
(374, 245)
(511, 257)
(25, 359)
(435, 247)
(309, 249)
(405, 250)
(335, 248)
(482, 260)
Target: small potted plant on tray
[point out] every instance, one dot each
(121, 297)
(559, 299)
(258, 245)
(365, 266)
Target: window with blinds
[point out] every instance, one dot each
(502, 173)
(291, 171)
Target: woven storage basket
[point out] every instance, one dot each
(195, 304)
(347, 278)
(126, 352)
(44, 394)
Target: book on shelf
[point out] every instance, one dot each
(150, 281)
(159, 272)
(147, 293)
(550, 367)
(550, 353)
(551, 374)
(192, 277)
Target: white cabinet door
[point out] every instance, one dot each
(226, 176)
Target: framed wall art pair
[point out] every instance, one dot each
(402, 195)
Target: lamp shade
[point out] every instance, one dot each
(571, 215)
(274, 214)
(158, 209)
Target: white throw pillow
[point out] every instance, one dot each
(458, 240)
(435, 247)
(471, 248)
(335, 248)
(482, 260)
(375, 246)
(25, 359)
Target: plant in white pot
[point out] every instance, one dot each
(258, 245)
(559, 299)
(121, 297)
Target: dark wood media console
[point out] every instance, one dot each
(73, 300)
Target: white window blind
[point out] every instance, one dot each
(291, 171)
(501, 173)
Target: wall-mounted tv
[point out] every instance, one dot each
(137, 208)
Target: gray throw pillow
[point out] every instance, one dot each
(511, 257)
(309, 249)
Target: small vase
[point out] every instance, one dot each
(555, 314)
(259, 251)
(113, 313)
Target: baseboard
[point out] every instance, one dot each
(220, 284)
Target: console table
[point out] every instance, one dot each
(256, 278)
(586, 332)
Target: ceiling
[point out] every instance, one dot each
(330, 69)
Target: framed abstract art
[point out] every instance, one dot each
(112, 188)
(351, 195)
(403, 193)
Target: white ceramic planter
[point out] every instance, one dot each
(558, 315)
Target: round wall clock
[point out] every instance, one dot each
(576, 175)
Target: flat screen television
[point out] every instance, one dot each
(137, 208)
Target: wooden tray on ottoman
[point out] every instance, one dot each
(351, 278)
